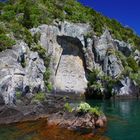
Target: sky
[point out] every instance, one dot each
(126, 12)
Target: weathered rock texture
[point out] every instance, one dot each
(66, 44)
(126, 87)
(14, 78)
(73, 54)
(54, 113)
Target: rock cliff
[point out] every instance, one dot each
(66, 44)
(15, 78)
(73, 55)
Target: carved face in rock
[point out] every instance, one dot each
(70, 74)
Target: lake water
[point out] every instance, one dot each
(123, 118)
(123, 124)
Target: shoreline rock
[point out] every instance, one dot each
(55, 114)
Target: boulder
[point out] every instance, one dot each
(125, 48)
(14, 77)
(127, 88)
(112, 66)
(101, 46)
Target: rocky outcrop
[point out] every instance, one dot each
(65, 43)
(125, 48)
(109, 63)
(126, 88)
(53, 110)
(14, 78)
(112, 66)
(104, 50)
(73, 53)
(102, 45)
(74, 121)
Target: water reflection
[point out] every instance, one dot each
(39, 130)
(123, 118)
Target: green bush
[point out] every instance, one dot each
(39, 97)
(49, 86)
(93, 76)
(132, 64)
(96, 110)
(122, 58)
(6, 42)
(8, 16)
(68, 108)
(47, 74)
(37, 37)
(85, 107)
(135, 77)
(41, 51)
(3, 29)
(17, 30)
(18, 95)
(21, 32)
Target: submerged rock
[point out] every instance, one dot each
(52, 109)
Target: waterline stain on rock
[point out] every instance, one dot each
(39, 130)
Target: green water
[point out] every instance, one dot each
(123, 118)
(123, 124)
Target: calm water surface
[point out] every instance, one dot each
(123, 118)
(123, 124)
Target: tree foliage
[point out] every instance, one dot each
(32, 13)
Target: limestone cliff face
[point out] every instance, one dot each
(73, 54)
(66, 44)
(14, 78)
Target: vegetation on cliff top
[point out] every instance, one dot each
(17, 16)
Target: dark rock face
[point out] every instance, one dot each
(125, 48)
